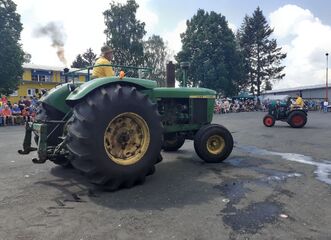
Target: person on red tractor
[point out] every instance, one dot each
(105, 58)
(298, 102)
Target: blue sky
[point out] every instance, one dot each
(170, 12)
(302, 28)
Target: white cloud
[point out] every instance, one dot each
(233, 27)
(306, 40)
(147, 15)
(82, 21)
(172, 38)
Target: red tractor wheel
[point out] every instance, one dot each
(297, 119)
(269, 120)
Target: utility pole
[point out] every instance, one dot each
(326, 78)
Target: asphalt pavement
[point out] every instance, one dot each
(276, 184)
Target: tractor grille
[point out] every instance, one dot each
(199, 110)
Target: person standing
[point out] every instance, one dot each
(105, 58)
(325, 106)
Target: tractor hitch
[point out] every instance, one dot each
(27, 140)
(41, 129)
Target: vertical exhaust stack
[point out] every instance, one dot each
(185, 66)
(170, 75)
(66, 70)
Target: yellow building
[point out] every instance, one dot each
(37, 78)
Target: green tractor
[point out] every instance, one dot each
(281, 108)
(113, 129)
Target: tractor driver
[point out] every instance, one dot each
(298, 102)
(105, 58)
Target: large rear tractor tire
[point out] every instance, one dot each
(213, 143)
(297, 119)
(269, 120)
(115, 137)
(173, 143)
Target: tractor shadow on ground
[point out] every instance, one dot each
(175, 184)
(285, 126)
(181, 179)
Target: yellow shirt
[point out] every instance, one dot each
(103, 71)
(299, 102)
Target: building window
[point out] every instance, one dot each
(70, 78)
(41, 76)
(35, 78)
(32, 92)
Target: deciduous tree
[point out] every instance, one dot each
(156, 56)
(125, 33)
(209, 45)
(11, 53)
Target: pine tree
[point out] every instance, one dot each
(79, 62)
(11, 53)
(89, 56)
(262, 56)
(85, 60)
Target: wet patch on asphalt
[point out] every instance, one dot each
(233, 190)
(323, 167)
(251, 218)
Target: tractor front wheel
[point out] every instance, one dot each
(269, 120)
(213, 143)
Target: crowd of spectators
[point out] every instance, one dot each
(17, 113)
(239, 105)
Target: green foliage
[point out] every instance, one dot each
(27, 57)
(125, 33)
(85, 60)
(209, 45)
(262, 56)
(11, 54)
(156, 56)
(89, 56)
(79, 62)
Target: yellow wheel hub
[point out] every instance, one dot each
(126, 138)
(215, 144)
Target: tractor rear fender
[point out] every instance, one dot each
(88, 87)
(298, 110)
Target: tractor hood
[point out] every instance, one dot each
(56, 97)
(183, 92)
